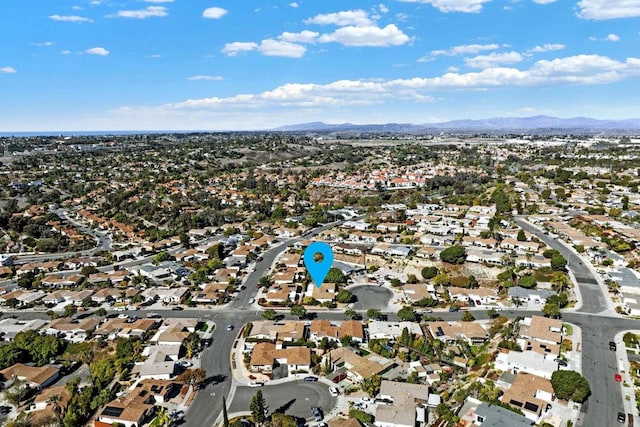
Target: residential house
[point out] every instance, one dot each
(72, 330)
(449, 332)
(166, 295)
(392, 330)
(265, 355)
(131, 410)
(326, 292)
(409, 405)
(174, 331)
(531, 394)
(475, 413)
(476, 296)
(525, 296)
(357, 367)
(353, 329)
(125, 328)
(542, 329)
(43, 408)
(533, 362)
(58, 281)
(35, 377)
(10, 327)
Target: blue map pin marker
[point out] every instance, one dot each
(318, 269)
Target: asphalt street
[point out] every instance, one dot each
(296, 397)
(599, 364)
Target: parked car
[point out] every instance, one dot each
(333, 391)
(252, 300)
(560, 362)
(256, 384)
(339, 377)
(622, 417)
(229, 327)
(311, 379)
(4, 410)
(360, 405)
(612, 346)
(177, 308)
(454, 309)
(317, 415)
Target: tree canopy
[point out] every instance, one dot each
(570, 385)
(455, 254)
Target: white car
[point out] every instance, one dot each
(333, 391)
(256, 384)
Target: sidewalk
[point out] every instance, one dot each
(628, 388)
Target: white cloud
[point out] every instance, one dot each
(342, 19)
(43, 44)
(465, 49)
(493, 59)
(304, 36)
(232, 49)
(154, 56)
(467, 6)
(7, 70)
(382, 8)
(547, 48)
(69, 18)
(100, 51)
(214, 13)
(293, 4)
(270, 47)
(367, 36)
(212, 78)
(148, 12)
(77, 8)
(608, 9)
(65, 52)
(544, 1)
(612, 38)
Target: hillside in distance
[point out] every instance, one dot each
(542, 124)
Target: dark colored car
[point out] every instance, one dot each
(622, 417)
(311, 379)
(612, 346)
(4, 410)
(177, 308)
(339, 377)
(454, 309)
(317, 415)
(560, 362)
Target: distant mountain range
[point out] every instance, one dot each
(544, 124)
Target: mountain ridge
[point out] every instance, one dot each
(539, 122)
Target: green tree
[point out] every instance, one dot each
(558, 262)
(429, 272)
(298, 311)
(101, 312)
(500, 198)
(335, 275)
(521, 236)
(350, 313)
(551, 310)
(269, 314)
(161, 257)
(527, 282)
(455, 254)
(363, 417)
(258, 408)
(17, 394)
(344, 296)
(69, 310)
(283, 420)
(371, 385)
(345, 340)
(407, 314)
(570, 385)
(374, 313)
(265, 282)
(468, 317)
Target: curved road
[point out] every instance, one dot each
(599, 365)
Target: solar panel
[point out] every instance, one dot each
(111, 411)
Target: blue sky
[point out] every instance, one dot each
(233, 65)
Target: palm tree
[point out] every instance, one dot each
(54, 400)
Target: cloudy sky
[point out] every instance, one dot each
(256, 64)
